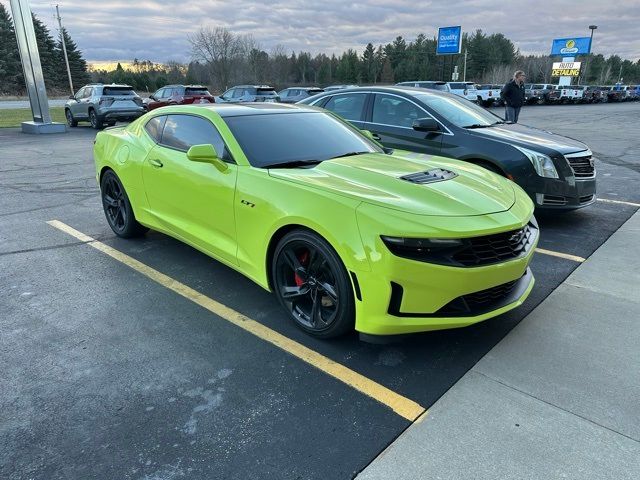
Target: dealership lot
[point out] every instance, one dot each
(120, 372)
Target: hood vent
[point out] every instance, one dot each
(430, 176)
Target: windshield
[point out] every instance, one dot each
(196, 91)
(270, 139)
(460, 112)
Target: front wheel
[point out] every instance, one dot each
(70, 120)
(117, 207)
(312, 285)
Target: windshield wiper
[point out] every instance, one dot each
(348, 154)
(294, 164)
(476, 125)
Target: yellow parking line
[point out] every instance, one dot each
(566, 256)
(401, 405)
(620, 202)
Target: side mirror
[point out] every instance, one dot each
(206, 153)
(72, 97)
(426, 125)
(152, 97)
(368, 134)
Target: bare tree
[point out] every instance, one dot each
(220, 49)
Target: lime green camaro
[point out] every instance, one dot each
(345, 233)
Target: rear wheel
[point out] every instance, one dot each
(96, 122)
(70, 120)
(312, 285)
(117, 207)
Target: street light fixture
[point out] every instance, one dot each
(592, 28)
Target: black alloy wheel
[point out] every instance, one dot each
(312, 285)
(70, 120)
(117, 207)
(96, 123)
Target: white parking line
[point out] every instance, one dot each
(566, 256)
(621, 202)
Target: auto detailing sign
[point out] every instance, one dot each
(449, 40)
(565, 69)
(570, 47)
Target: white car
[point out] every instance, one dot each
(489, 95)
(465, 90)
(571, 93)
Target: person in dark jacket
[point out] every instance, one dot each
(513, 95)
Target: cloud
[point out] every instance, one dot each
(157, 30)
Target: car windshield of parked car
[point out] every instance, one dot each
(276, 139)
(118, 91)
(460, 112)
(196, 91)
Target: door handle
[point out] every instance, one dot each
(375, 136)
(155, 162)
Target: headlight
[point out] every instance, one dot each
(433, 250)
(542, 163)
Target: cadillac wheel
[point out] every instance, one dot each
(312, 284)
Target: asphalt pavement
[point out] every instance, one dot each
(108, 373)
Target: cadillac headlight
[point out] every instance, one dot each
(542, 163)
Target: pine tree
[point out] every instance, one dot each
(77, 63)
(11, 79)
(53, 73)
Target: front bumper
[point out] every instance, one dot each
(554, 194)
(401, 296)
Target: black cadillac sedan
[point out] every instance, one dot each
(557, 172)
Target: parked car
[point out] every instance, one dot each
(538, 93)
(338, 87)
(345, 234)
(465, 90)
(179, 95)
(101, 105)
(557, 172)
(571, 93)
(295, 94)
(634, 92)
(592, 94)
(489, 95)
(248, 93)
(614, 93)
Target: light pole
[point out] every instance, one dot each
(592, 28)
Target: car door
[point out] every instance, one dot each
(391, 119)
(349, 106)
(193, 200)
(156, 101)
(74, 106)
(85, 102)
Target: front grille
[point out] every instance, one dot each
(555, 200)
(484, 297)
(495, 248)
(583, 166)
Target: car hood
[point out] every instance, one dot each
(375, 178)
(530, 137)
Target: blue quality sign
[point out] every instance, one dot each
(449, 40)
(572, 46)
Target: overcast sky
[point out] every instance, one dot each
(157, 30)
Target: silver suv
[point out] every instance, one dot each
(103, 105)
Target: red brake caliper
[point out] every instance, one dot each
(303, 258)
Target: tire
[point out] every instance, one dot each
(117, 207)
(70, 120)
(95, 120)
(312, 285)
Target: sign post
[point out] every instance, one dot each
(30, 57)
(569, 48)
(449, 43)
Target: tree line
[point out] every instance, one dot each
(222, 58)
(51, 58)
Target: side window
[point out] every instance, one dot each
(237, 93)
(159, 93)
(349, 106)
(284, 93)
(154, 127)
(87, 92)
(183, 131)
(390, 110)
(80, 93)
(166, 93)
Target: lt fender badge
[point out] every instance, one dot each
(249, 204)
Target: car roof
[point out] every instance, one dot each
(252, 86)
(238, 110)
(395, 89)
